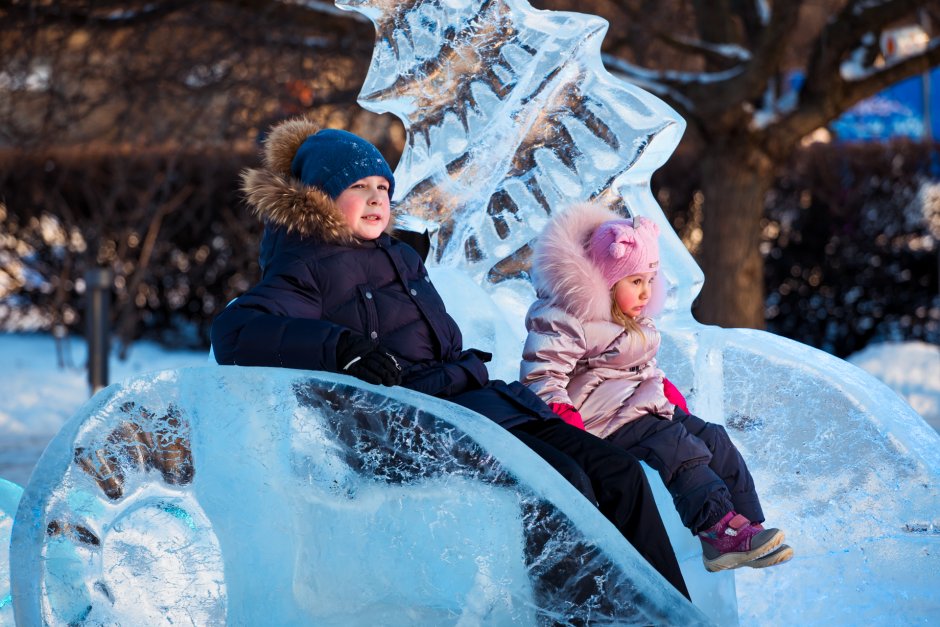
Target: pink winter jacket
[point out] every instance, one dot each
(575, 352)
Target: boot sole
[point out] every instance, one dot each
(727, 561)
(781, 554)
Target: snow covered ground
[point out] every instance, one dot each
(43, 386)
(911, 369)
(38, 393)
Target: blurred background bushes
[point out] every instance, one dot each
(124, 125)
(849, 241)
(169, 224)
(849, 253)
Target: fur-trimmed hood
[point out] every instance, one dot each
(562, 271)
(282, 200)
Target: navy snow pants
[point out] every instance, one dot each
(699, 464)
(614, 481)
(608, 476)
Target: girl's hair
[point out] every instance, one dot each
(623, 319)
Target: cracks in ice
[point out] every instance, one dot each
(922, 528)
(387, 442)
(141, 443)
(518, 117)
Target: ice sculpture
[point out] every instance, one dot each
(253, 496)
(511, 116)
(9, 499)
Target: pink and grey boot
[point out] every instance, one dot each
(732, 542)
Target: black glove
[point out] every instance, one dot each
(357, 356)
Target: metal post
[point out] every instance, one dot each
(98, 283)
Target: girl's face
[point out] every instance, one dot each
(365, 205)
(632, 293)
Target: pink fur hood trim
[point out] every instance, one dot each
(563, 273)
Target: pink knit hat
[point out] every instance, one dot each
(620, 248)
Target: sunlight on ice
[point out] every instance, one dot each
(10, 494)
(558, 128)
(136, 489)
(356, 504)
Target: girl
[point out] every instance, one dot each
(591, 354)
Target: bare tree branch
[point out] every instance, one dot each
(714, 99)
(752, 20)
(815, 112)
(855, 90)
(715, 55)
(841, 34)
(713, 19)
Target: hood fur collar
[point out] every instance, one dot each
(562, 271)
(280, 199)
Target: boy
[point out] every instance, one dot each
(339, 294)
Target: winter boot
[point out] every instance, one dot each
(732, 542)
(781, 554)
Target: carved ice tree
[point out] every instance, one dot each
(511, 116)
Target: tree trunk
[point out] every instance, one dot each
(735, 181)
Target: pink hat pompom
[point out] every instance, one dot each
(617, 250)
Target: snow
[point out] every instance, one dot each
(38, 395)
(911, 369)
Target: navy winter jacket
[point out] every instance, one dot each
(311, 293)
(319, 282)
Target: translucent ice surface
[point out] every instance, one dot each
(9, 499)
(842, 464)
(482, 322)
(249, 496)
(511, 117)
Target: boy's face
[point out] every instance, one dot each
(365, 205)
(632, 293)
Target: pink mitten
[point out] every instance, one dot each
(568, 413)
(673, 395)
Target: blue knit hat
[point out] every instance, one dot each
(332, 160)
